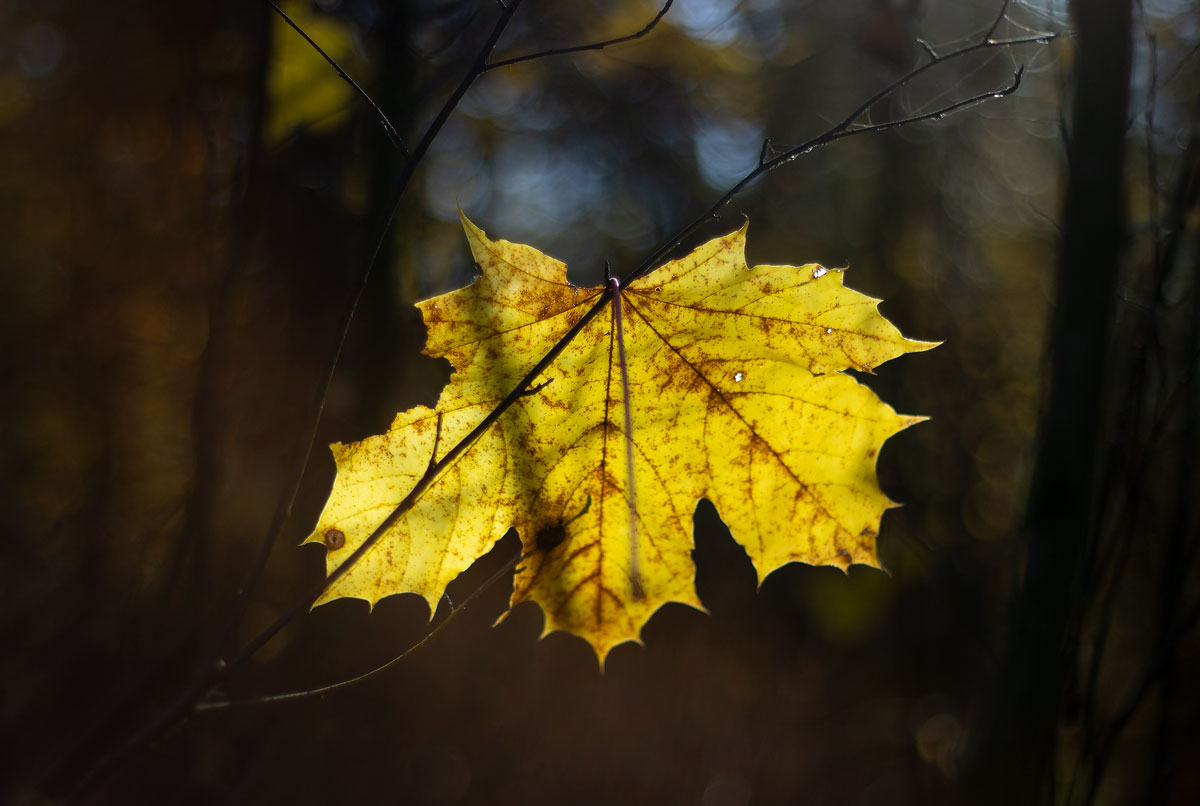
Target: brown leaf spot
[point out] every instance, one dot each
(845, 555)
(334, 539)
(871, 453)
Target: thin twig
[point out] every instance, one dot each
(843, 130)
(388, 128)
(274, 699)
(580, 48)
(839, 132)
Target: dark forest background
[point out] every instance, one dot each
(189, 197)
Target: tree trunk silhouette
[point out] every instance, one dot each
(1013, 746)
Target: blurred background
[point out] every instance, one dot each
(189, 198)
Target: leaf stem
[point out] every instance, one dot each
(635, 570)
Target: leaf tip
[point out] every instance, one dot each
(476, 237)
(909, 420)
(918, 346)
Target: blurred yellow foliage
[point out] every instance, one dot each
(303, 91)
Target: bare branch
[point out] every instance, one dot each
(937, 114)
(388, 128)
(592, 46)
(844, 129)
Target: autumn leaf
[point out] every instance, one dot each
(735, 394)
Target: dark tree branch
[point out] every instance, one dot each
(650, 26)
(388, 128)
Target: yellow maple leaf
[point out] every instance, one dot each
(734, 394)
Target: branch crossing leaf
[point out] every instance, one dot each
(736, 395)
